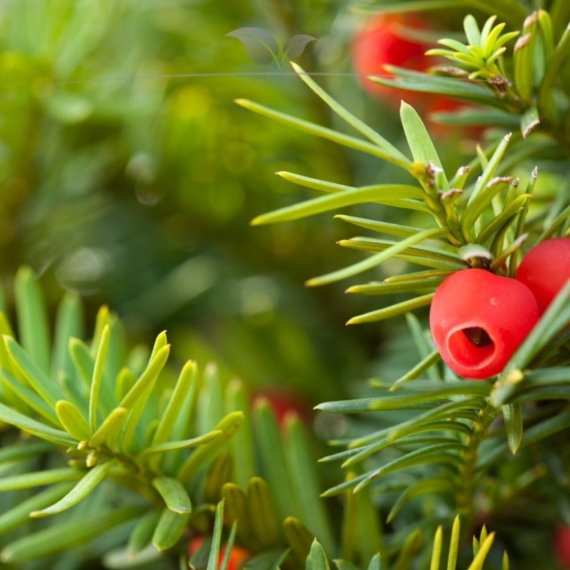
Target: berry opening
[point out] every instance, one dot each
(471, 346)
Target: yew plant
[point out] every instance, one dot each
(451, 437)
(116, 455)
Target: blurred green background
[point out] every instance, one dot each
(129, 174)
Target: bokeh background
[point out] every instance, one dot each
(129, 174)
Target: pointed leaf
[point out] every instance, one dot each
(142, 533)
(87, 484)
(66, 535)
(35, 376)
(97, 378)
(169, 529)
(34, 427)
(72, 420)
(32, 318)
(110, 429)
(317, 559)
(173, 493)
(418, 138)
(214, 557)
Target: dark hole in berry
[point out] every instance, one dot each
(478, 336)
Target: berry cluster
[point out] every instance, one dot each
(479, 319)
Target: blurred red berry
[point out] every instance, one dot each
(479, 319)
(545, 269)
(562, 546)
(284, 402)
(380, 43)
(238, 555)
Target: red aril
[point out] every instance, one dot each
(545, 269)
(479, 319)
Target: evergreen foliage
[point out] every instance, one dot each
(109, 453)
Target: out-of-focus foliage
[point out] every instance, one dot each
(129, 175)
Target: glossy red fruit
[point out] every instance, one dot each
(380, 43)
(562, 546)
(479, 319)
(545, 269)
(238, 555)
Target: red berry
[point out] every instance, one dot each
(562, 545)
(479, 319)
(545, 269)
(379, 44)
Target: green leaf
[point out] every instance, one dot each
(17, 451)
(229, 546)
(454, 544)
(272, 457)
(72, 420)
(418, 370)
(97, 378)
(82, 360)
(65, 535)
(210, 408)
(393, 310)
(35, 376)
(228, 426)
(242, 444)
(263, 516)
(417, 489)
(450, 86)
(235, 510)
(27, 480)
(34, 427)
(147, 378)
(478, 561)
(169, 529)
(301, 468)
(512, 414)
(329, 134)
(410, 550)
(32, 318)
(529, 121)
(168, 419)
(429, 454)
(418, 138)
(173, 493)
(434, 255)
(376, 259)
(174, 445)
(372, 135)
(436, 553)
(20, 514)
(397, 195)
(85, 486)
(141, 535)
(69, 324)
(317, 559)
(110, 430)
(298, 537)
(29, 397)
(219, 473)
(546, 97)
(214, 557)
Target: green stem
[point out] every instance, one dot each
(465, 494)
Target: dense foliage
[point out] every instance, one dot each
(130, 181)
